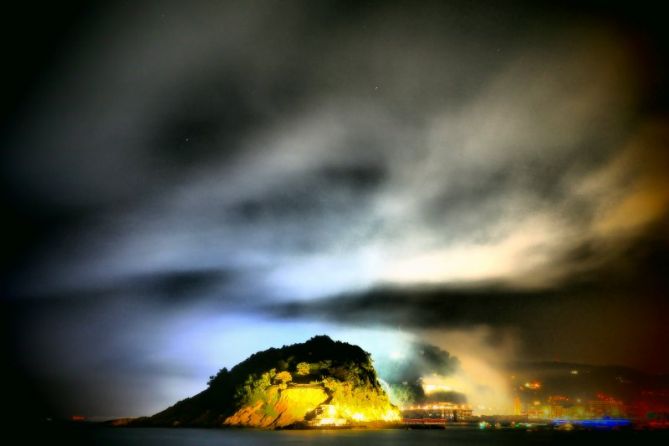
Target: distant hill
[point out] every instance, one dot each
(590, 382)
(320, 381)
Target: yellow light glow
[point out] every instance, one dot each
(391, 415)
(358, 417)
(338, 414)
(332, 422)
(432, 384)
(475, 261)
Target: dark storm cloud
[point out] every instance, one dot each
(326, 190)
(424, 308)
(179, 287)
(529, 312)
(182, 285)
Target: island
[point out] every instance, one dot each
(318, 383)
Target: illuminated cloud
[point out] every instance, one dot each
(342, 195)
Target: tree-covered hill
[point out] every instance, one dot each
(320, 381)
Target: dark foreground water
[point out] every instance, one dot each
(210, 437)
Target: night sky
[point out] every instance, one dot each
(185, 183)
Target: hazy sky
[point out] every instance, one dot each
(186, 183)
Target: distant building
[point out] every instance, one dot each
(562, 407)
(436, 413)
(605, 406)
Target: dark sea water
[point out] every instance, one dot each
(210, 437)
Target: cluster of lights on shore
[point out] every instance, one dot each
(437, 406)
(340, 416)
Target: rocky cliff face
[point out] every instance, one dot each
(319, 382)
(292, 406)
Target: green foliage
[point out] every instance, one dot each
(270, 398)
(283, 377)
(255, 388)
(349, 394)
(303, 368)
